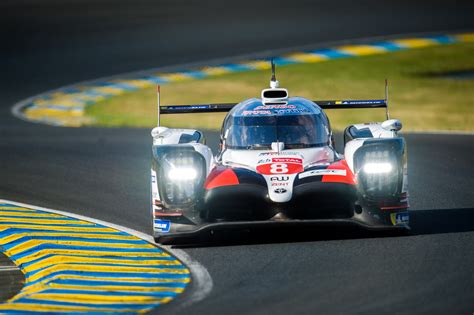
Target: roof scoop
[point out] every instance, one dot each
(275, 94)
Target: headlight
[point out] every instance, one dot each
(377, 168)
(378, 165)
(181, 177)
(182, 174)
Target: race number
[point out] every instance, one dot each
(281, 166)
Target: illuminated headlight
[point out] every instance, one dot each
(181, 177)
(182, 174)
(377, 168)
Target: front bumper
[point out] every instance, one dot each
(210, 232)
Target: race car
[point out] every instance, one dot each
(277, 164)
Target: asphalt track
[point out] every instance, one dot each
(103, 173)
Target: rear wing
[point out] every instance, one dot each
(225, 107)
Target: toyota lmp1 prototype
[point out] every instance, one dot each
(277, 164)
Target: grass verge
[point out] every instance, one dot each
(422, 96)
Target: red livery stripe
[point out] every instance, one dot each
(340, 165)
(221, 176)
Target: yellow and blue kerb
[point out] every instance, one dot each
(74, 266)
(66, 106)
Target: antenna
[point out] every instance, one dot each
(273, 81)
(273, 70)
(158, 102)
(386, 100)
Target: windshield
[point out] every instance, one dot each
(296, 131)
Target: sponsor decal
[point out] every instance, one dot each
(256, 112)
(280, 178)
(290, 111)
(400, 218)
(280, 181)
(153, 179)
(274, 109)
(283, 165)
(280, 184)
(162, 225)
(276, 153)
(287, 160)
(281, 106)
(361, 102)
(280, 190)
(323, 172)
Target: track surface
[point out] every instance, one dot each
(103, 173)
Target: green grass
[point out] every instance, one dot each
(419, 96)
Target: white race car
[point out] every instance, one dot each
(277, 165)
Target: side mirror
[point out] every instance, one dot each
(155, 132)
(392, 125)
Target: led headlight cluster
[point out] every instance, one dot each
(378, 166)
(182, 173)
(181, 177)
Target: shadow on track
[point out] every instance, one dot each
(423, 222)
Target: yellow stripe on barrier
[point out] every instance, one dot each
(108, 90)
(306, 57)
(258, 64)
(28, 214)
(465, 38)
(41, 307)
(156, 280)
(97, 268)
(86, 260)
(361, 50)
(175, 77)
(53, 112)
(215, 70)
(101, 299)
(45, 221)
(415, 42)
(14, 237)
(64, 101)
(141, 84)
(59, 228)
(104, 289)
(118, 288)
(28, 244)
(81, 252)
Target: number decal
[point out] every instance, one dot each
(279, 168)
(281, 165)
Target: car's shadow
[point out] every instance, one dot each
(422, 222)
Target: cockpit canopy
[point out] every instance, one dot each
(298, 123)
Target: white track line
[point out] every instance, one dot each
(9, 268)
(202, 279)
(202, 285)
